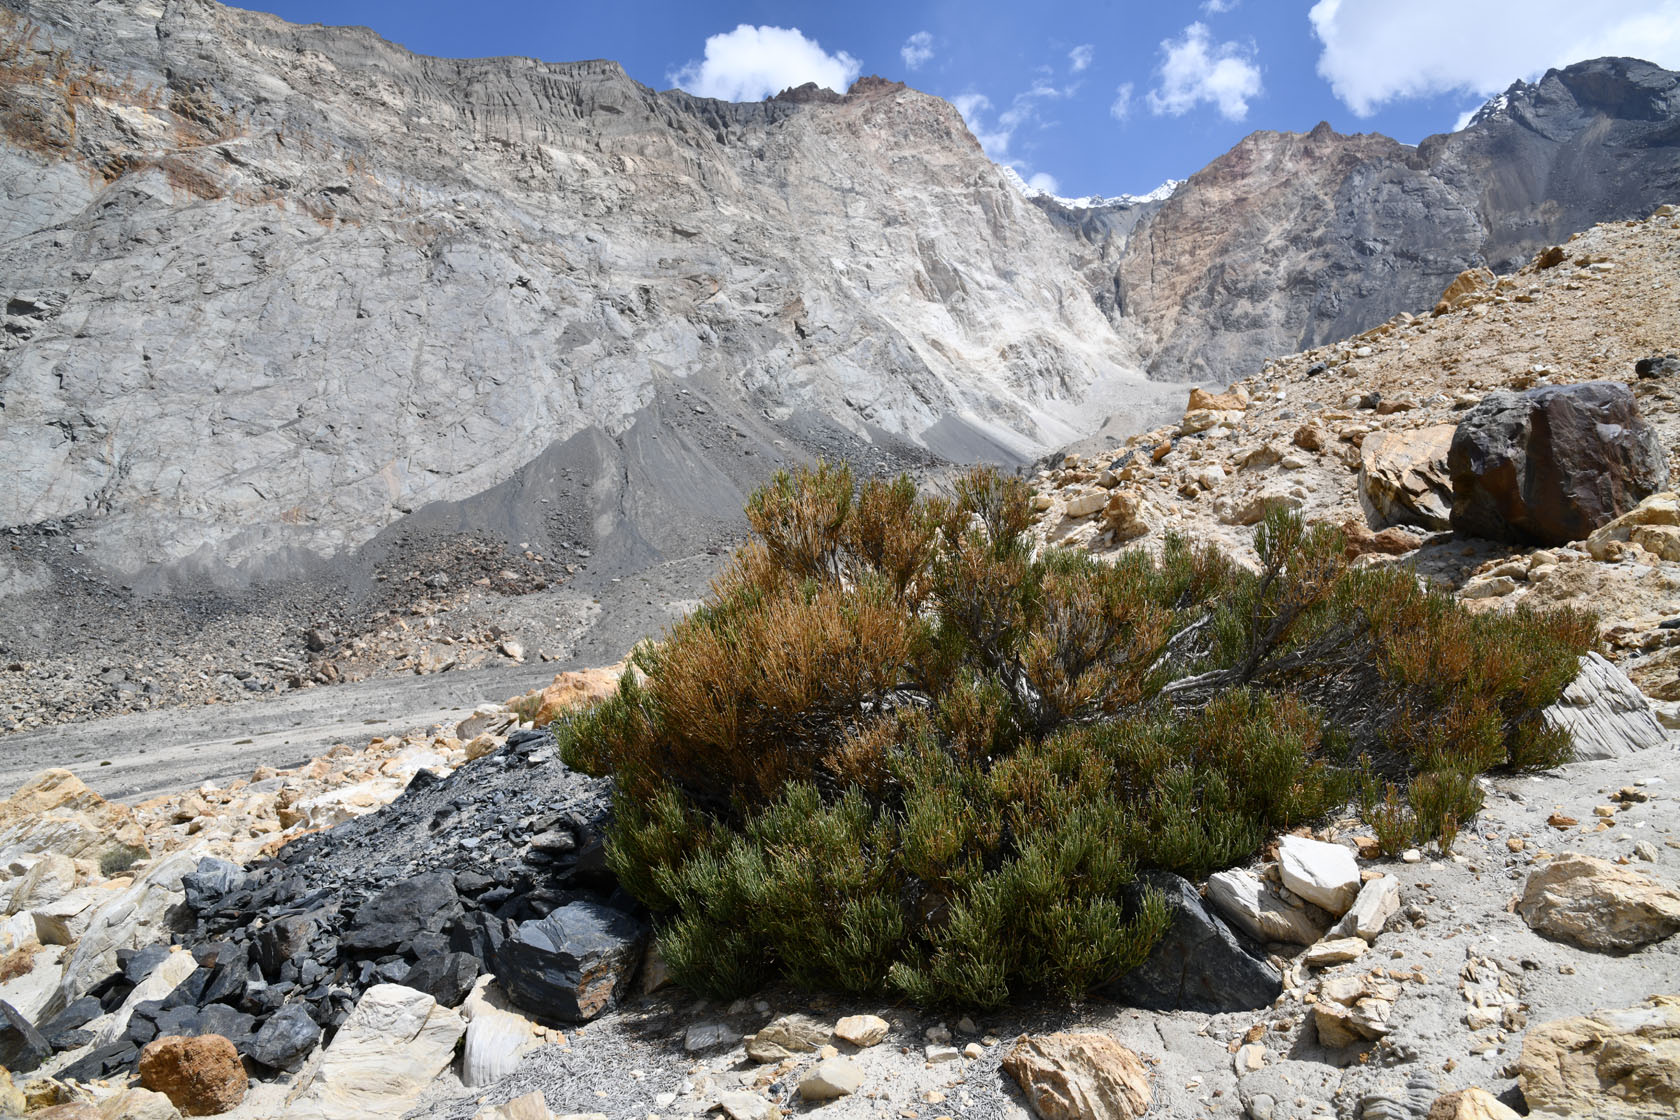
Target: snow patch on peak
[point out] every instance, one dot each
(1090, 201)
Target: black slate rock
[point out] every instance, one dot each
(285, 1040)
(395, 916)
(22, 1047)
(1199, 964)
(97, 1063)
(79, 1014)
(571, 964)
(446, 977)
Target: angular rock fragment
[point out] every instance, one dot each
(1079, 1077)
(573, 964)
(1323, 874)
(201, 1076)
(1254, 906)
(1615, 1065)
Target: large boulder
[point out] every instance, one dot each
(1550, 465)
(1605, 715)
(1199, 965)
(1614, 1065)
(1404, 478)
(392, 1046)
(201, 1076)
(1598, 905)
(1079, 1077)
(22, 1047)
(573, 963)
(497, 1036)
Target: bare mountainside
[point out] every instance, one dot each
(1291, 240)
(271, 288)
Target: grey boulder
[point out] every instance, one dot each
(1198, 965)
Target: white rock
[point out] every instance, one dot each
(862, 1030)
(938, 1054)
(137, 916)
(834, 1077)
(52, 877)
(532, 1106)
(65, 920)
(1605, 713)
(1411, 855)
(32, 991)
(1336, 951)
(496, 1036)
(1255, 906)
(1324, 874)
(394, 1043)
(1084, 505)
(746, 1106)
(1378, 901)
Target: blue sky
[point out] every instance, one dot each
(1081, 98)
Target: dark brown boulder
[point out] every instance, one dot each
(1550, 465)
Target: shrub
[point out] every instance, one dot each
(899, 749)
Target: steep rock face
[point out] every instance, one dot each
(270, 288)
(1291, 240)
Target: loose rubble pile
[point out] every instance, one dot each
(1515, 379)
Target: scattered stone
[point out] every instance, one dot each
(1617, 1065)
(709, 1036)
(748, 1106)
(862, 1030)
(1079, 1077)
(532, 1106)
(787, 1036)
(1336, 951)
(201, 1076)
(1323, 874)
(496, 1036)
(446, 977)
(1404, 479)
(1595, 904)
(832, 1078)
(1377, 902)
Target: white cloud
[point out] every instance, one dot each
(1121, 108)
(1043, 181)
(1378, 52)
(1080, 57)
(917, 49)
(750, 63)
(1215, 7)
(996, 133)
(1194, 69)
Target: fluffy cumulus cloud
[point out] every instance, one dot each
(1080, 57)
(750, 63)
(1195, 69)
(1375, 52)
(1215, 7)
(1043, 181)
(1121, 107)
(917, 49)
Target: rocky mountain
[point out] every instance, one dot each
(1292, 240)
(271, 288)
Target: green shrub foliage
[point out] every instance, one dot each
(900, 749)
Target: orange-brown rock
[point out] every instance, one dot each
(201, 1076)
